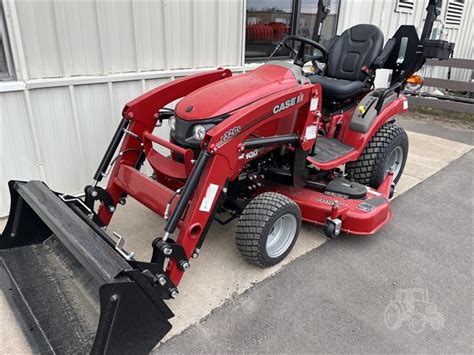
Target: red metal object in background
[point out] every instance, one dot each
(279, 30)
(270, 32)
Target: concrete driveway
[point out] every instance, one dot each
(334, 299)
(332, 296)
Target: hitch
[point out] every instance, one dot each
(169, 249)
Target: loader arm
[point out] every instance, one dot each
(141, 115)
(225, 158)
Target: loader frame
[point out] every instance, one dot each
(222, 151)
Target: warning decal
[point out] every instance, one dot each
(208, 200)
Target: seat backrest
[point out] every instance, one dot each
(354, 48)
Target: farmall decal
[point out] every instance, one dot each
(288, 103)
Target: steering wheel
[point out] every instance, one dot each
(300, 54)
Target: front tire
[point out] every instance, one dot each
(268, 229)
(387, 149)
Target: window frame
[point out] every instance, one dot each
(8, 75)
(404, 9)
(454, 25)
(295, 17)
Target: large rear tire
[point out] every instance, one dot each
(387, 149)
(268, 228)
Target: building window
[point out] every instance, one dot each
(307, 20)
(405, 6)
(268, 21)
(454, 12)
(6, 63)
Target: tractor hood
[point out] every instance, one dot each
(227, 95)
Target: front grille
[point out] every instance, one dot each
(183, 133)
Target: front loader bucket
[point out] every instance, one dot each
(69, 289)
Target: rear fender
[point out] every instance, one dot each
(359, 140)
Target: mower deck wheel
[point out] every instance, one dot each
(268, 229)
(386, 150)
(332, 228)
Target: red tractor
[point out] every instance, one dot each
(272, 147)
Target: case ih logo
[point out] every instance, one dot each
(288, 103)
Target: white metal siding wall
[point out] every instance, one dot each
(382, 14)
(83, 60)
(464, 39)
(69, 38)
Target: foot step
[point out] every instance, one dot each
(328, 149)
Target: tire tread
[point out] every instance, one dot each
(253, 221)
(365, 169)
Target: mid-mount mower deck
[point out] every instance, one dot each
(271, 147)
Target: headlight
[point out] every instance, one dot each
(199, 131)
(172, 123)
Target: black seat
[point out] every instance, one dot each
(356, 47)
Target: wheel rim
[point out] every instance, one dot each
(281, 235)
(395, 162)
